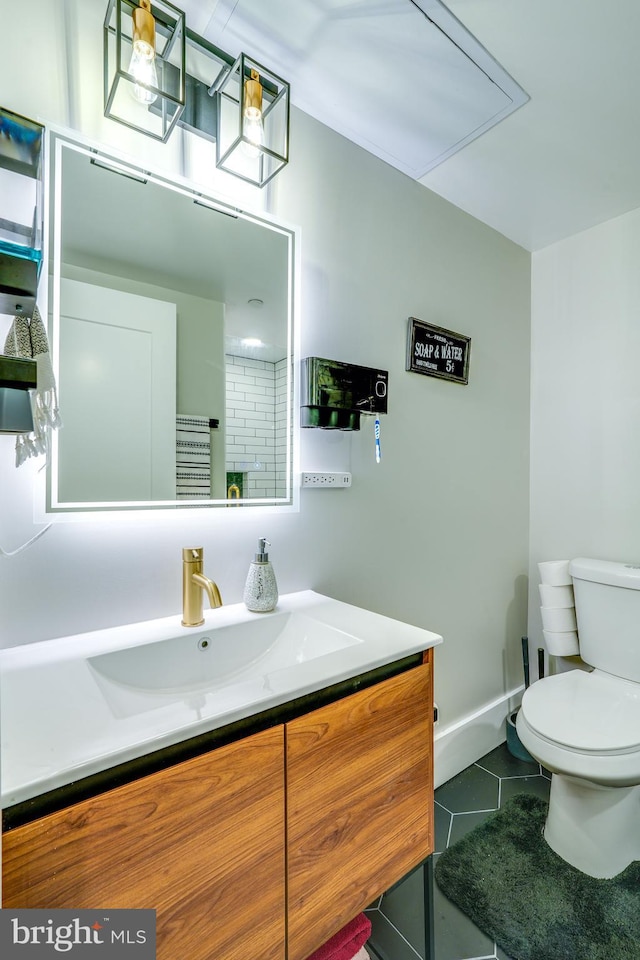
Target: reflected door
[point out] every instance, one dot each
(117, 395)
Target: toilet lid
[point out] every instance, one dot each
(591, 712)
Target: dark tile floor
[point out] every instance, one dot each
(398, 929)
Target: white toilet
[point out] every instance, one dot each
(585, 726)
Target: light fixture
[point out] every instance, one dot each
(144, 65)
(252, 133)
(252, 125)
(240, 105)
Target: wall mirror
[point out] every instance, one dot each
(172, 318)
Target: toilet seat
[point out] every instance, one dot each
(591, 713)
(584, 725)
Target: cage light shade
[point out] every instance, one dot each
(151, 103)
(252, 137)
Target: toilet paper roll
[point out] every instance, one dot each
(555, 573)
(556, 596)
(559, 619)
(562, 644)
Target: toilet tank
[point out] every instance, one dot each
(607, 599)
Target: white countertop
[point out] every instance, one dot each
(61, 721)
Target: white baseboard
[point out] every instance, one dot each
(465, 741)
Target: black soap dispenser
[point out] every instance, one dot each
(261, 589)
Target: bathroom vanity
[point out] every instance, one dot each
(253, 835)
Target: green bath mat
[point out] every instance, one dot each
(534, 905)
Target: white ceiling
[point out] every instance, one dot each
(565, 161)
(359, 67)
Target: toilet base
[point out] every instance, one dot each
(592, 827)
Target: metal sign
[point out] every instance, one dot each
(437, 352)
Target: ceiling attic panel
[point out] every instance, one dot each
(403, 79)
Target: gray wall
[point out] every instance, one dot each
(437, 533)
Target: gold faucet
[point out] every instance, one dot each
(193, 583)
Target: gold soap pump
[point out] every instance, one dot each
(261, 589)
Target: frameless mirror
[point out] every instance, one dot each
(172, 317)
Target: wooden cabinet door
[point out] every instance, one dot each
(201, 842)
(359, 802)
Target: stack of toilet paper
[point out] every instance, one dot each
(559, 624)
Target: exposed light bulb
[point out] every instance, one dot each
(252, 125)
(143, 68)
(254, 132)
(143, 57)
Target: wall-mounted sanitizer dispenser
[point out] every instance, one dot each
(334, 394)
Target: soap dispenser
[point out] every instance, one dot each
(261, 589)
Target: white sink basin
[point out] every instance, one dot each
(202, 658)
(77, 705)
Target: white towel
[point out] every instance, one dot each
(27, 339)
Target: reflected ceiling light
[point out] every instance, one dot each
(243, 107)
(251, 342)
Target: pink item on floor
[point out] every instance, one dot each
(347, 943)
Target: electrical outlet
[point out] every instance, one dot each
(325, 480)
(436, 715)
